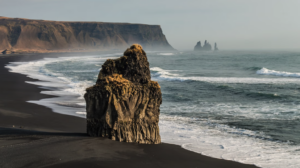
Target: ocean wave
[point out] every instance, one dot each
(65, 87)
(82, 71)
(70, 104)
(165, 54)
(162, 74)
(265, 71)
(253, 68)
(221, 141)
(79, 112)
(36, 70)
(259, 111)
(159, 72)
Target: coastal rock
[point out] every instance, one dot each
(198, 46)
(206, 46)
(124, 103)
(216, 47)
(6, 51)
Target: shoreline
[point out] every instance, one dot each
(44, 51)
(33, 136)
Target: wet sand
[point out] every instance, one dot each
(33, 136)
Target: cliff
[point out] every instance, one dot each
(39, 35)
(124, 104)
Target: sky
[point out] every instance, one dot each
(233, 24)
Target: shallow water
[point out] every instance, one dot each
(236, 105)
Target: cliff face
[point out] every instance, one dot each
(23, 34)
(124, 103)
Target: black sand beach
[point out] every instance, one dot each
(34, 136)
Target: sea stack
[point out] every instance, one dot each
(216, 47)
(198, 46)
(124, 103)
(206, 46)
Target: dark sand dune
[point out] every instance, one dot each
(33, 136)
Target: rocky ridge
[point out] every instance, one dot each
(24, 35)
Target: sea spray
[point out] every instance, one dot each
(265, 71)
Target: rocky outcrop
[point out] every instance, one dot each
(6, 51)
(124, 104)
(206, 46)
(216, 47)
(25, 35)
(198, 46)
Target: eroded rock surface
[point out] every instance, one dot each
(124, 103)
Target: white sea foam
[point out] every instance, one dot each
(36, 70)
(161, 74)
(265, 71)
(56, 105)
(78, 112)
(69, 90)
(165, 54)
(82, 104)
(223, 142)
(260, 110)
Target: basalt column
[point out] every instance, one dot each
(124, 103)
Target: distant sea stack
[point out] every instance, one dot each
(39, 35)
(205, 47)
(216, 47)
(198, 46)
(124, 104)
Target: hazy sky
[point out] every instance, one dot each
(233, 24)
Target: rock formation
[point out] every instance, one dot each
(40, 35)
(206, 46)
(6, 51)
(216, 47)
(124, 103)
(198, 46)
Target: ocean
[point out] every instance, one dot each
(235, 105)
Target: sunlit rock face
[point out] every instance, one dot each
(25, 35)
(124, 104)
